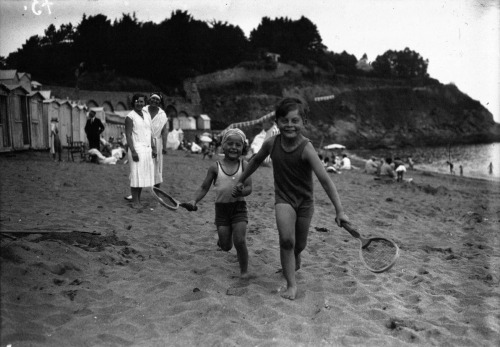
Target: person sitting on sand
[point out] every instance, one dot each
(329, 167)
(371, 166)
(386, 169)
(231, 214)
(345, 163)
(294, 159)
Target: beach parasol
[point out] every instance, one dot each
(334, 146)
(205, 139)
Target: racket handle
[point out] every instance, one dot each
(353, 231)
(189, 207)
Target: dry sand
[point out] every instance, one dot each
(156, 277)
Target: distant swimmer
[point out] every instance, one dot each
(490, 168)
(452, 172)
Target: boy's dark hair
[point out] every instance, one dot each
(290, 104)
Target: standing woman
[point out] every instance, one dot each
(55, 141)
(159, 128)
(141, 149)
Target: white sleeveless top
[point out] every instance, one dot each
(224, 184)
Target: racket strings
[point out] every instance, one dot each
(379, 254)
(162, 197)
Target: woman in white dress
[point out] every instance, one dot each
(55, 141)
(159, 128)
(141, 149)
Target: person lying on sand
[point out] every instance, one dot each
(294, 159)
(231, 214)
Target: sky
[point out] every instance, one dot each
(460, 38)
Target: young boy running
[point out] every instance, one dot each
(294, 159)
(231, 214)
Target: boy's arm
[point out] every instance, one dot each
(205, 186)
(253, 165)
(247, 184)
(312, 158)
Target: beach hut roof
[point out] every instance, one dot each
(35, 84)
(35, 93)
(45, 93)
(114, 118)
(22, 74)
(59, 101)
(11, 87)
(123, 113)
(7, 74)
(204, 117)
(79, 106)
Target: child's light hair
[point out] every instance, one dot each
(291, 104)
(234, 132)
(239, 133)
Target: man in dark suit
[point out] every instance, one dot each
(93, 129)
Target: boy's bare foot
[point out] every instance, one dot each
(289, 293)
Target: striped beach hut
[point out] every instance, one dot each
(115, 125)
(14, 118)
(183, 121)
(37, 122)
(78, 121)
(60, 110)
(65, 126)
(203, 122)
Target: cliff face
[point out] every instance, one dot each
(364, 112)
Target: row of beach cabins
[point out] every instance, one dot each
(25, 118)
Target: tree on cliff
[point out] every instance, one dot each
(297, 40)
(181, 47)
(403, 64)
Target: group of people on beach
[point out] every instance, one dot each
(291, 154)
(388, 168)
(294, 160)
(146, 127)
(335, 164)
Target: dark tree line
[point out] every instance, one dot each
(181, 47)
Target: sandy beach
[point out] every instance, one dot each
(80, 267)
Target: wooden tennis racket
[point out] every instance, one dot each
(168, 201)
(377, 254)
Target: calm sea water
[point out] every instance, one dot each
(474, 159)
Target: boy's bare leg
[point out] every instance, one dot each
(225, 237)
(240, 243)
(301, 233)
(285, 219)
